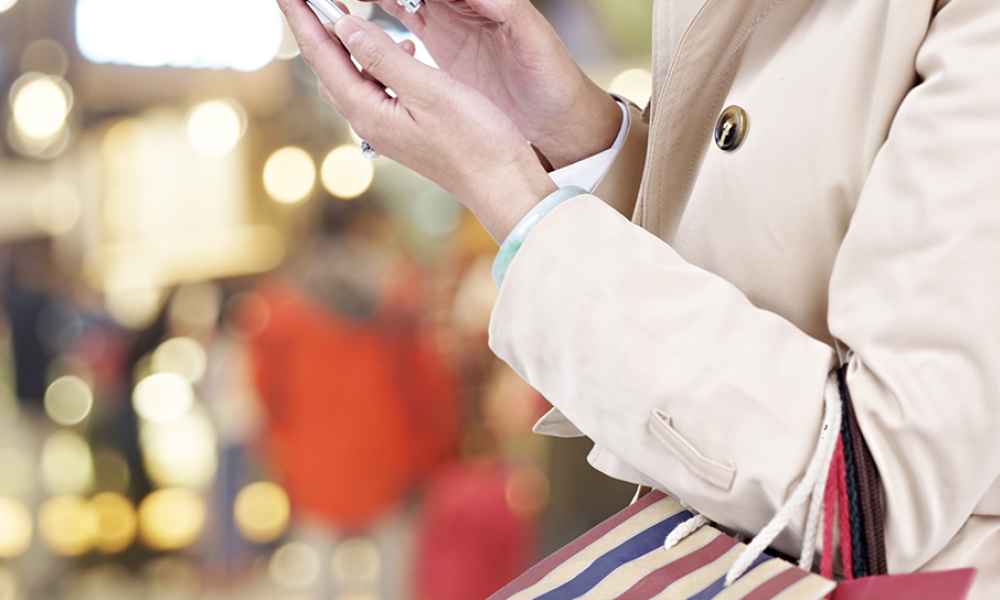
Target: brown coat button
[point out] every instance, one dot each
(732, 128)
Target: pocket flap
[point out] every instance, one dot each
(716, 473)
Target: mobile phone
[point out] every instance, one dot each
(326, 10)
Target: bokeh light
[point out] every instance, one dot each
(262, 511)
(346, 173)
(68, 525)
(40, 104)
(163, 397)
(215, 127)
(45, 56)
(6, 5)
(356, 562)
(68, 400)
(117, 522)
(180, 452)
(289, 175)
(67, 464)
(15, 528)
(634, 84)
(123, 32)
(182, 356)
(294, 566)
(171, 519)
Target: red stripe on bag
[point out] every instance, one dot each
(779, 583)
(657, 581)
(547, 565)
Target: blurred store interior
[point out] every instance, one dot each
(238, 359)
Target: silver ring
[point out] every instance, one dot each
(368, 151)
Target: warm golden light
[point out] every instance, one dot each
(68, 400)
(41, 104)
(68, 524)
(634, 84)
(182, 356)
(346, 173)
(171, 519)
(294, 566)
(216, 127)
(289, 175)
(181, 452)
(15, 528)
(163, 397)
(356, 562)
(67, 465)
(117, 522)
(262, 512)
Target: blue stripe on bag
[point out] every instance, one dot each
(719, 584)
(636, 547)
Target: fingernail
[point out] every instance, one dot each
(347, 27)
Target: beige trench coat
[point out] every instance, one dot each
(859, 221)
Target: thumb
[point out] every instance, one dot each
(389, 63)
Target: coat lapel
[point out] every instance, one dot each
(692, 77)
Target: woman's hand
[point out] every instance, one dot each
(510, 53)
(440, 128)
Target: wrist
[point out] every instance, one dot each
(588, 129)
(500, 206)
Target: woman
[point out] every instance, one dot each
(814, 185)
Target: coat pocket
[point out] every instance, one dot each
(713, 472)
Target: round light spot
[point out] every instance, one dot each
(15, 528)
(41, 104)
(216, 127)
(182, 356)
(117, 522)
(163, 397)
(6, 5)
(171, 519)
(289, 175)
(262, 511)
(68, 400)
(68, 524)
(356, 562)
(294, 566)
(67, 464)
(346, 173)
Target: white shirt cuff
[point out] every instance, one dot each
(588, 172)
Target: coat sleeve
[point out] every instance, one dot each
(676, 373)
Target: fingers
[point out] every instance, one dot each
(329, 60)
(413, 81)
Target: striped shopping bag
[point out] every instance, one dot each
(624, 558)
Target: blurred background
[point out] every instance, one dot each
(237, 359)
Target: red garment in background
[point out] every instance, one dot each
(354, 413)
(470, 543)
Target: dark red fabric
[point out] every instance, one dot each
(355, 413)
(944, 585)
(470, 543)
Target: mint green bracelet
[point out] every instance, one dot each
(514, 241)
